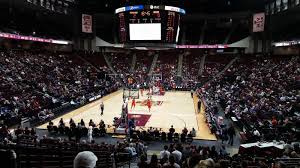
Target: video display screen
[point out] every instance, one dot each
(145, 31)
(149, 23)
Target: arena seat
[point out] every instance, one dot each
(289, 162)
(46, 157)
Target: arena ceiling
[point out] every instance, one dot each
(191, 6)
(103, 10)
(286, 25)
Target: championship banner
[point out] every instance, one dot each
(259, 22)
(87, 26)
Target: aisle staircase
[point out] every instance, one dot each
(224, 70)
(88, 62)
(109, 64)
(179, 67)
(230, 33)
(202, 35)
(201, 66)
(133, 63)
(226, 67)
(153, 65)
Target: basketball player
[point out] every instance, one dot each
(149, 104)
(133, 103)
(161, 91)
(102, 108)
(142, 91)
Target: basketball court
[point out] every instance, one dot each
(175, 108)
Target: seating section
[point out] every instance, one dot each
(121, 62)
(217, 31)
(215, 63)
(259, 96)
(60, 156)
(190, 68)
(34, 82)
(166, 67)
(143, 64)
(57, 153)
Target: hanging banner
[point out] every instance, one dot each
(259, 22)
(87, 23)
(30, 38)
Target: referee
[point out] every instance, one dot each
(102, 108)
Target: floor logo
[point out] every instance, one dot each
(140, 119)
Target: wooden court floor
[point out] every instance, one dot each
(175, 108)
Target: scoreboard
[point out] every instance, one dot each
(149, 24)
(144, 17)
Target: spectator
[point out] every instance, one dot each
(172, 163)
(177, 154)
(71, 121)
(85, 159)
(32, 132)
(91, 123)
(82, 123)
(131, 150)
(154, 162)
(208, 163)
(172, 130)
(143, 162)
(184, 131)
(231, 134)
(193, 132)
(288, 148)
(61, 123)
(27, 131)
(164, 154)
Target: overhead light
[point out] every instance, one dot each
(60, 42)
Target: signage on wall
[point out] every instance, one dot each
(259, 22)
(87, 23)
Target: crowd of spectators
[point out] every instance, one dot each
(261, 95)
(166, 69)
(33, 83)
(190, 69)
(213, 64)
(185, 155)
(155, 134)
(211, 69)
(26, 141)
(142, 67)
(121, 62)
(192, 156)
(79, 130)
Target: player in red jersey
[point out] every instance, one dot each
(149, 104)
(133, 103)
